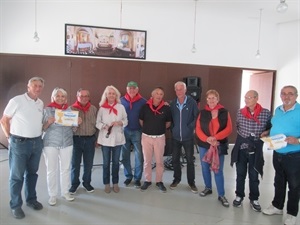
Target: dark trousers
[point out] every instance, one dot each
(189, 153)
(246, 162)
(83, 148)
(287, 172)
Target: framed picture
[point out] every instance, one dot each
(105, 42)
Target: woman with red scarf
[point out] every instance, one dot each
(111, 120)
(58, 147)
(213, 126)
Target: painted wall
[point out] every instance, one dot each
(221, 39)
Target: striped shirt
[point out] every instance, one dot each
(88, 125)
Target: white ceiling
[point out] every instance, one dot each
(250, 9)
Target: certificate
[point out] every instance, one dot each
(275, 142)
(66, 117)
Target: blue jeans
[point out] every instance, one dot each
(287, 170)
(83, 147)
(206, 172)
(133, 138)
(246, 161)
(189, 153)
(24, 160)
(111, 154)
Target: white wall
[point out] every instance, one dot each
(224, 39)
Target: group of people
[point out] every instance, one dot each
(132, 123)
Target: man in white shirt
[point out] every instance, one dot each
(22, 125)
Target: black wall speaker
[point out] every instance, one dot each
(194, 89)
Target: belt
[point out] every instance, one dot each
(154, 136)
(20, 138)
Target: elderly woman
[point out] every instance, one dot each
(58, 147)
(111, 120)
(213, 126)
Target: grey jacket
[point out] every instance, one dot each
(56, 135)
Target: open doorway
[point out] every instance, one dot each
(262, 82)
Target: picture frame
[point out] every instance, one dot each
(86, 40)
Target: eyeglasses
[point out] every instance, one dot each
(290, 94)
(84, 96)
(249, 97)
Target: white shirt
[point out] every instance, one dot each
(26, 116)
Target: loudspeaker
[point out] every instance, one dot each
(192, 81)
(194, 92)
(193, 86)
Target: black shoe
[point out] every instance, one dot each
(255, 205)
(161, 187)
(206, 191)
(35, 205)
(145, 185)
(194, 189)
(127, 182)
(223, 201)
(88, 187)
(18, 213)
(137, 184)
(237, 202)
(174, 184)
(73, 189)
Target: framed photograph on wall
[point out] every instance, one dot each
(105, 42)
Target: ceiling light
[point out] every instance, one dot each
(258, 40)
(35, 35)
(282, 7)
(194, 49)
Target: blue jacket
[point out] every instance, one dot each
(183, 121)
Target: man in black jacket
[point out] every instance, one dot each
(184, 113)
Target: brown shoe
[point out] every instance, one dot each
(107, 188)
(116, 188)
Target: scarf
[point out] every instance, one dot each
(212, 157)
(150, 103)
(85, 108)
(110, 107)
(257, 110)
(132, 100)
(58, 106)
(217, 107)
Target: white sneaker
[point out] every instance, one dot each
(271, 210)
(290, 220)
(68, 197)
(52, 201)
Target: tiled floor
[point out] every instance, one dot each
(133, 207)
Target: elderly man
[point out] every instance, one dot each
(253, 122)
(286, 160)
(184, 114)
(84, 142)
(22, 125)
(133, 102)
(155, 117)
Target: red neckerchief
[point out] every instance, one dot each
(110, 107)
(132, 100)
(85, 108)
(217, 107)
(212, 157)
(150, 103)
(257, 110)
(58, 106)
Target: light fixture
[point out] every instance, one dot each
(121, 13)
(194, 49)
(282, 7)
(258, 41)
(35, 35)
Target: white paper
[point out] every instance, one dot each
(66, 117)
(275, 142)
